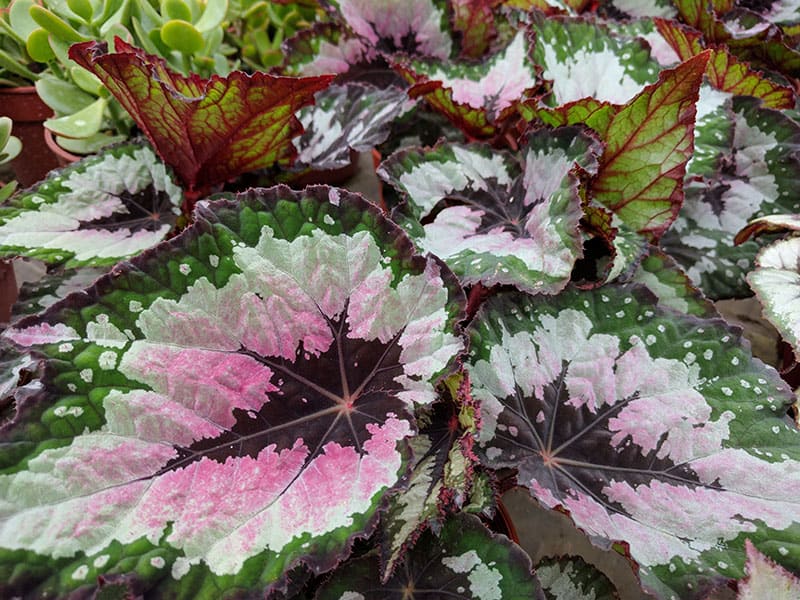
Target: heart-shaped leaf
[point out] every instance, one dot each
(207, 130)
(653, 428)
(97, 211)
(498, 218)
(227, 406)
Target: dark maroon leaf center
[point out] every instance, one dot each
(146, 210)
(332, 397)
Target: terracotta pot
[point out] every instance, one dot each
(28, 112)
(64, 157)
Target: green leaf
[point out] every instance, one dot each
(63, 97)
(649, 142)
(84, 123)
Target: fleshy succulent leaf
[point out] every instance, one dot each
(498, 218)
(345, 118)
(464, 562)
(744, 167)
(572, 578)
(584, 59)
(476, 97)
(766, 579)
(648, 144)
(265, 363)
(647, 426)
(207, 130)
(98, 211)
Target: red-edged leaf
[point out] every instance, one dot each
(207, 130)
(766, 579)
(724, 71)
(587, 111)
(649, 142)
(474, 20)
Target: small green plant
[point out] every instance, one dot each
(10, 147)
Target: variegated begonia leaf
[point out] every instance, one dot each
(572, 578)
(745, 166)
(587, 111)
(498, 218)
(418, 27)
(641, 8)
(650, 428)
(207, 130)
(20, 371)
(582, 58)
(776, 282)
(662, 275)
(97, 211)
(228, 406)
(35, 296)
(476, 96)
(766, 579)
(465, 561)
(724, 71)
(346, 118)
(648, 143)
(474, 22)
(326, 47)
(440, 483)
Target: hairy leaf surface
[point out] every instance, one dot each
(228, 406)
(464, 562)
(495, 217)
(649, 427)
(208, 130)
(109, 206)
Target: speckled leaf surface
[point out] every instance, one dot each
(766, 579)
(648, 143)
(97, 211)
(665, 278)
(464, 562)
(35, 296)
(207, 130)
(346, 118)
(572, 578)
(584, 59)
(776, 282)
(475, 96)
(745, 166)
(232, 368)
(652, 428)
(499, 218)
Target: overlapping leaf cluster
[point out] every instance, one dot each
(308, 393)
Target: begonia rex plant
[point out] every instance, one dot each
(223, 391)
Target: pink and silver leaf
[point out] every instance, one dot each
(229, 406)
(650, 428)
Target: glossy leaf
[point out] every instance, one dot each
(648, 427)
(207, 130)
(227, 406)
(464, 562)
(572, 578)
(347, 118)
(744, 167)
(100, 210)
(475, 96)
(583, 59)
(648, 144)
(498, 218)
